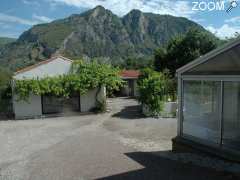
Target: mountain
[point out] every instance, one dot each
(95, 33)
(5, 40)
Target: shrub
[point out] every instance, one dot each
(155, 88)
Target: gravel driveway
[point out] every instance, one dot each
(120, 144)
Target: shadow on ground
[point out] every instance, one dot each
(162, 168)
(130, 112)
(6, 117)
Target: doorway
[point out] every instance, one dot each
(59, 105)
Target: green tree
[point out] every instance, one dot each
(5, 91)
(5, 77)
(136, 63)
(184, 49)
(160, 59)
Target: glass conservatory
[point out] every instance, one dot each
(209, 99)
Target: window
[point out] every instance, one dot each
(201, 109)
(231, 115)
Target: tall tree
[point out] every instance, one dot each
(183, 49)
(160, 59)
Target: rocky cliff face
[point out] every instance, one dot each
(95, 33)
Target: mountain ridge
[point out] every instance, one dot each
(95, 33)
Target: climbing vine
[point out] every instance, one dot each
(81, 78)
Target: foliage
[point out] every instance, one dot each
(154, 89)
(160, 58)
(98, 74)
(135, 63)
(82, 77)
(5, 91)
(5, 77)
(5, 80)
(5, 40)
(101, 107)
(183, 49)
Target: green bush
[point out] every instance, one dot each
(5, 91)
(183, 49)
(101, 107)
(155, 88)
(83, 77)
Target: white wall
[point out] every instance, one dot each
(30, 109)
(88, 100)
(33, 107)
(57, 67)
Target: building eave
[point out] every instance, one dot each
(135, 78)
(208, 56)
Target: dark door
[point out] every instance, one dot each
(72, 103)
(52, 104)
(55, 105)
(131, 87)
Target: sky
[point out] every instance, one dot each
(17, 16)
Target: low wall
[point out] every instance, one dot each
(30, 109)
(33, 107)
(88, 101)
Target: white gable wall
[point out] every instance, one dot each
(88, 100)
(56, 67)
(33, 108)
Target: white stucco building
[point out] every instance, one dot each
(40, 106)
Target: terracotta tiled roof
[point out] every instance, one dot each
(41, 63)
(130, 73)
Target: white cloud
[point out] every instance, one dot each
(5, 26)
(234, 20)
(18, 20)
(30, 2)
(224, 31)
(42, 18)
(122, 7)
(228, 29)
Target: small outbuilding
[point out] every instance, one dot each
(130, 88)
(209, 102)
(45, 105)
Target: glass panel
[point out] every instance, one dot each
(201, 109)
(231, 115)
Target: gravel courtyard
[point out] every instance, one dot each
(120, 144)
